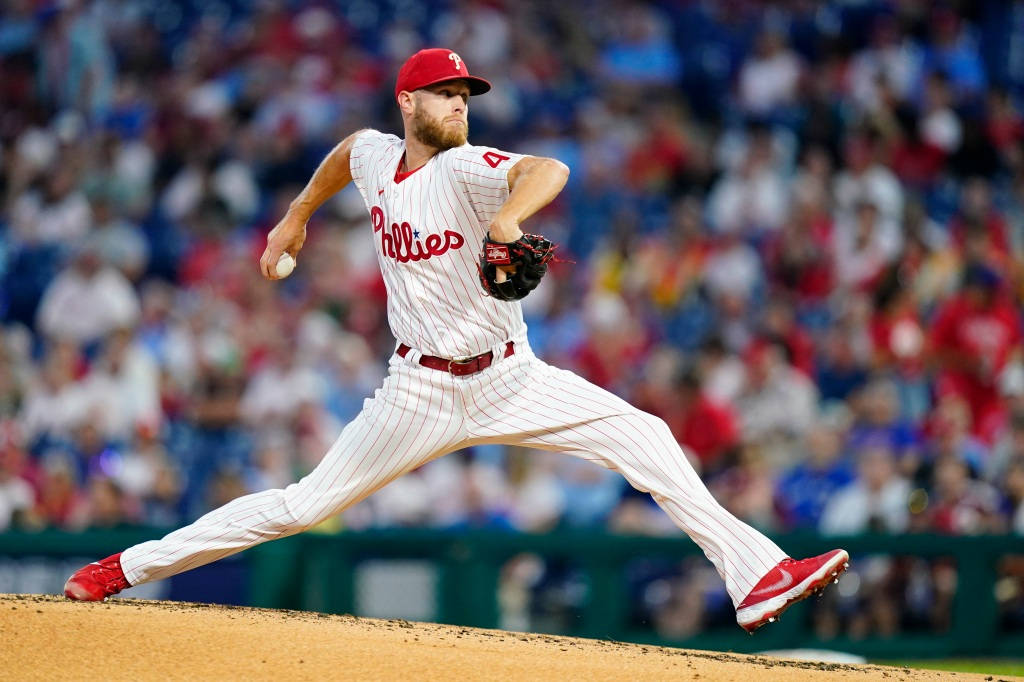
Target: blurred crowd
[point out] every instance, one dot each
(797, 231)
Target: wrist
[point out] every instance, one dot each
(505, 231)
(295, 216)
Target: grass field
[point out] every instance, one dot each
(965, 665)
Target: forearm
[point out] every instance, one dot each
(289, 234)
(534, 182)
(333, 174)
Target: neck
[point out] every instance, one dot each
(416, 152)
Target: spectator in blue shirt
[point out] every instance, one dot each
(804, 490)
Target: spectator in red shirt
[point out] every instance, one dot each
(705, 427)
(963, 506)
(662, 156)
(799, 259)
(897, 333)
(974, 336)
(979, 231)
(898, 341)
(1004, 126)
(615, 344)
(779, 321)
(58, 496)
(17, 495)
(915, 157)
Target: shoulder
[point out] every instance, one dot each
(372, 136)
(369, 140)
(473, 160)
(372, 151)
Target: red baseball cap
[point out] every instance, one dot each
(436, 65)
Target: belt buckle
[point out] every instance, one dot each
(462, 361)
(454, 361)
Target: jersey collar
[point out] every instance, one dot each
(399, 175)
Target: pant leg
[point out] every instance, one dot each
(526, 402)
(413, 418)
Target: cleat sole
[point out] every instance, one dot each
(817, 587)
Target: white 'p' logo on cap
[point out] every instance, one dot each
(457, 59)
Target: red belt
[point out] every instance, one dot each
(459, 368)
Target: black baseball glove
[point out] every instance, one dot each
(529, 255)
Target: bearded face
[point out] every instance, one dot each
(434, 131)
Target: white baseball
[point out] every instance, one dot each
(285, 265)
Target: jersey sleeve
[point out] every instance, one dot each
(483, 174)
(365, 158)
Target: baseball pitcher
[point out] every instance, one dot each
(446, 219)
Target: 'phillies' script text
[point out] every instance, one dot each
(400, 245)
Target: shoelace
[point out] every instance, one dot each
(109, 579)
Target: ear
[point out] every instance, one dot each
(406, 102)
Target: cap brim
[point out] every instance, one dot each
(477, 86)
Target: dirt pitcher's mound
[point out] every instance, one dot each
(50, 638)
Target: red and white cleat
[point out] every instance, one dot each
(788, 583)
(97, 581)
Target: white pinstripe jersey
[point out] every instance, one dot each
(428, 227)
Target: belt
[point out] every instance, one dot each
(459, 368)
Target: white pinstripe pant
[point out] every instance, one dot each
(420, 414)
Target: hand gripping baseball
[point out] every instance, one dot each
(529, 255)
(287, 237)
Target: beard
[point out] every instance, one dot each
(435, 134)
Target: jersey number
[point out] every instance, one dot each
(493, 159)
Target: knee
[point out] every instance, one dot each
(657, 428)
(302, 509)
(661, 438)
